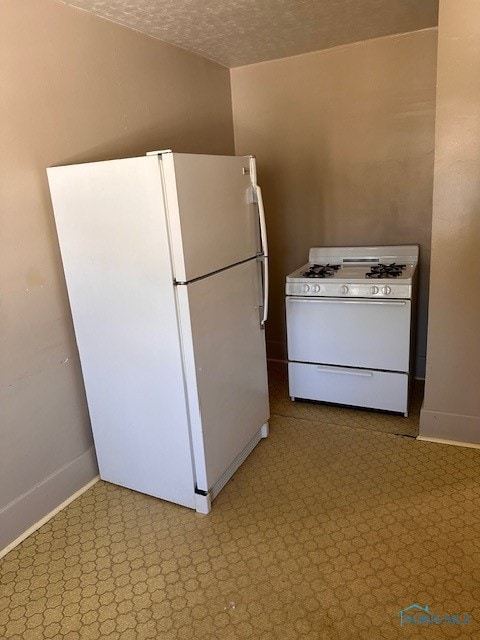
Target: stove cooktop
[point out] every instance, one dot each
(377, 271)
(353, 273)
(321, 270)
(366, 272)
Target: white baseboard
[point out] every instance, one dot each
(43, 497)
(451, 428)
(455, 443)
(45, 519)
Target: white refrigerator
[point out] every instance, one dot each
(165, 259)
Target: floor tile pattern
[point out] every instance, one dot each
(324, 533)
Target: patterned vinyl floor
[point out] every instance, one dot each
(328, 529)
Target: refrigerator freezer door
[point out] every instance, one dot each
(114, 244)
(225, 363)
(213, 221)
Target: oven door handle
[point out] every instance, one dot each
(363, 373)
(391, 303)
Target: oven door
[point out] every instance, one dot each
(352, 332)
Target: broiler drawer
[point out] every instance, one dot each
(346, 385)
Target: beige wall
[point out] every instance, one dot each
(73, 88)
(452, 399)
(344, 140)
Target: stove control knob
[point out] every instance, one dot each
(316, 288)
(344, 288)
(306, 288)
(386, 290)
(374, 290)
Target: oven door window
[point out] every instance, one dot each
(351, 332)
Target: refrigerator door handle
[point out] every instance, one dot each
(257, 197)
(261, 217)
(263, 237)
(265, 291)
(257, 193)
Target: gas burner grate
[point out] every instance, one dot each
(321, 271)
(386, 270)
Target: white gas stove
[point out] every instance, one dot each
(350, 326)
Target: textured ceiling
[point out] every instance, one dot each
(239, 32)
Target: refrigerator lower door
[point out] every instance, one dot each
(225, 365)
